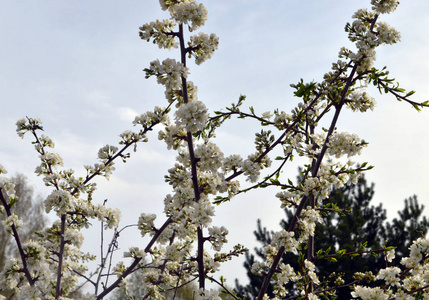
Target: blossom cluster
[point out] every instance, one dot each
(343, 143)
(203, 46)
(159, 30)
(189, 12)
(384, 6)
(74, 213)
(361, 101)
(367, 34)
(192, 116)
(176, 253)
(398, 285)
(169, 73)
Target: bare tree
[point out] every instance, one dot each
(30, 210)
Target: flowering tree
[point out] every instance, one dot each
(187, 246)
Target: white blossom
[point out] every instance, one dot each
(189, 12)
(390, 275)
(135, 252)
(285, 239)
(60, 201)
(2, 169)
(218, 237)
(384, 6)
(367, 293)
(146, 223)
(203, 46)
(158, 31)
(361, 101)
(13, 219)
(192, 116)
(387, 34)
(390, 255)
(204, 294)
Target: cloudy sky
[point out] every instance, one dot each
(77, 65)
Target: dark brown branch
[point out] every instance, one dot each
(315, 169)
(18, 242)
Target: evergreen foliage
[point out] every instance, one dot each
(361, 224)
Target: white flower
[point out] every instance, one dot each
(173, 136)
(158, 32)
(387, 34)
(8, 187)
(2, 169)
(12, 220)
(258, 268)
(21, 127)
(168, 73)
(150, 118)
(307, 221)
(384, 6)
(281, 119)
(60, 201)
(390, 275)
(367, 293)
(390, 255)
(251, 170)
(107, 152)
(211, 294)
(285, 239)
(146, 223)
(419, 248)
(232, 163)
(311, 271)
(344, 143)
(361, 101)
(210, 157)
(192, 116)
(218, 237)
(286, 274)
(201, 213)
(312, 296)
(112, 217)
(202, 46)
(53, 159)
(189, 12)
(135, 252)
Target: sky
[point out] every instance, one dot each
(77, 65)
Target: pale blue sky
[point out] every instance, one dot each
(78, 66)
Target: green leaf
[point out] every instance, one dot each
(341, 252)
(274, 181)
(219, 199)
(12, 201)
(375, 254)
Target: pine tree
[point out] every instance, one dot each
(361, 223)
